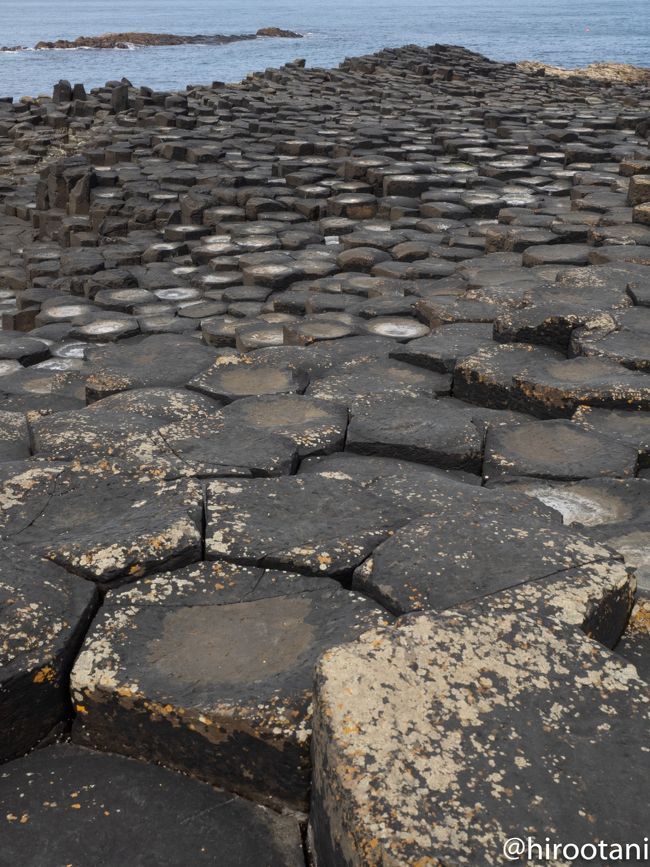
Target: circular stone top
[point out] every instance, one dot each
(180, 293)
(399, 327)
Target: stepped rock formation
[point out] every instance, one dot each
(325, 467)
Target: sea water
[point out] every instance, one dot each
(563, 32)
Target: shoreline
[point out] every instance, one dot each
(604, 71)
(600, 72)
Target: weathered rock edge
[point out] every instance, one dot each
(436, 741)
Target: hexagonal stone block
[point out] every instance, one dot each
(441, 349)
(544, 383)
(316, 524)
(477, 543)
(20, 347)
(406, 475)
(629, 427)
(556, 254)
(98, 522)
(559, 388)
(316, 427)
(543, 324)
(319, 327)
(487, 377)
(416, 429)
(555, 449)
(228, 381)
(405, 749)
(327, 356)
(624, 340)
(121, 425)
(381, 377)
(37, 390)
(160, 360)
(44, 613)
(222, 446)
(85, 807)
(209, 670)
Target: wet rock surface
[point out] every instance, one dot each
(284, 361)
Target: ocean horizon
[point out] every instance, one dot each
(547, 30)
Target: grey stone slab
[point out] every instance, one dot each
(231, 381)
(471, 545)
(445, 345)
(555, 449)
(98, 522)
(160, 360)
(317, 524)
(380, 378)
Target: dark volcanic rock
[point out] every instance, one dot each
(124, 40)
(433, 563)
(78, 805)
(385, 323)
(161, 360)
(44, 613)
(209, 670)
(555, 449)
(321, 524)
(397, 766)
(412, 429)
(98, 521)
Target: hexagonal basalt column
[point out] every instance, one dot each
(439, 740)
(209, 670)
(98, 521)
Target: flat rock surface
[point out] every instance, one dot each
(412, 429)
(317, 524)
(471, 546)
(556, 449)
(98, 522)
(66, 804)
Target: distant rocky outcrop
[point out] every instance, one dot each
(605, 72)
(126, 40)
